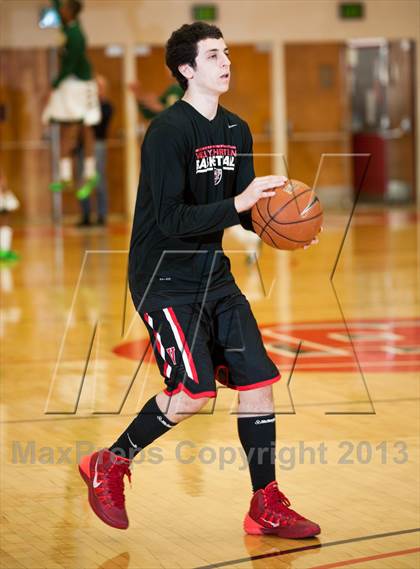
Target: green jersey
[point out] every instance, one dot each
(172, 94)
(73, 60)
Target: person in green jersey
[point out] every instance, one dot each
(150, 105)
(73, 101)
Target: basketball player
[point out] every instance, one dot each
(150, 105)
(8, 203)
(101, 152)
(73, 101)
(197, 178)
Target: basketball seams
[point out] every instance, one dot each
(255, 222)
(268, 211)
(294, 222)
(287, 203)
(256, 213)
(298, 230)
(264, 229)
(288, 238)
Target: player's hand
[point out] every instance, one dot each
(315, 240)
(259, 188)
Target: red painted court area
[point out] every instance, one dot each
(378, 345)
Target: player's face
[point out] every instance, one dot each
(66, 14)
(212, 70)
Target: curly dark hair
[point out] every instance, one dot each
(182, 47)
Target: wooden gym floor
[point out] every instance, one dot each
(348, 436)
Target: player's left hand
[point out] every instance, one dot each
(314, 241)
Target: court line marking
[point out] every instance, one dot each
(306, 548)
(104, 415)
(357, 560)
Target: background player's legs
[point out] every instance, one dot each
(85, 204)
(89, 147)
(68, 142)
(257, 433)
(89, 165)
(68, 139)
(89, 144)
(84, 169)
(101, 189)
(8, 203)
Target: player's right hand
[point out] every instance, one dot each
(261, 187)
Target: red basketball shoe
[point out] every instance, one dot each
(104, 473)
(270, 514)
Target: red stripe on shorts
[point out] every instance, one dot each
(183, 348)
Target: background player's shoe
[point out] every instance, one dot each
(104, 473)
(88, 187)
(8, 256)
(270, 514)
(84, 222)
(8, 201)
(60, 186)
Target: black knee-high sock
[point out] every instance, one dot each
(258, 438)
(149, 424)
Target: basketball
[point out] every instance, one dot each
(290, 219)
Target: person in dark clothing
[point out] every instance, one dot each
(101, 132)
(197, 179)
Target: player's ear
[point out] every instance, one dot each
(186, 70)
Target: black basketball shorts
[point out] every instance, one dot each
(192, 342)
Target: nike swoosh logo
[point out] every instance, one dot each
(271, 523)
(134, 444)
(95, 478)
(232, 125)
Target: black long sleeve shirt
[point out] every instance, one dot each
(191, 169)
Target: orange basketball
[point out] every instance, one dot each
(290, 219)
